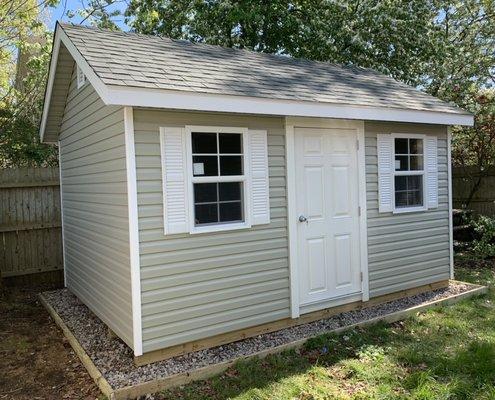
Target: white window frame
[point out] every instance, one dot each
(246, 179)
(424, 207)
(81, 78)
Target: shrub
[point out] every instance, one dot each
(484, 243)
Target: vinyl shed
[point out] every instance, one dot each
(210, 194)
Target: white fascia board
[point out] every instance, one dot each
(196, 101)
(49, 84)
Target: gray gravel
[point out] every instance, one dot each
(115, 360)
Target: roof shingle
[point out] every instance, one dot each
(130, 59)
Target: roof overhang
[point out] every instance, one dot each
(199, 101)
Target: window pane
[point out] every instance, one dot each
(414, 198)
(415, 182)
(205, 166)
(400, 183)
(205, 192)
(230, 165)
(401, 163)
(400, 199)
(204, 142)
(230, 212)
(415, 146)
(205, 213)
(230, 191)
(401, 146)
(416, 163)
(230, 143)
(409, 191)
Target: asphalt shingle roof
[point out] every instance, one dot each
(129, 59)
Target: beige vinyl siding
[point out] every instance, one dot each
(410, 249)
(95, 215)
(196, 286)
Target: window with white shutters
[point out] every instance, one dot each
(407, 172)
(224, 178)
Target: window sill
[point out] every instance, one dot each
(409, 210)
(219, 228)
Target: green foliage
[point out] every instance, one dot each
(445, 47)
(26, 42)
(97, 13)
(394, 37)
(484, 244)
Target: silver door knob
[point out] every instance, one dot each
(302, 218)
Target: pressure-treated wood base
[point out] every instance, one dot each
(234, 336)
(153, 386)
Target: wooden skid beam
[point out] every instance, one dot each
(134, 391)
(241, 334)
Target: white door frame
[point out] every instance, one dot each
(290, 124)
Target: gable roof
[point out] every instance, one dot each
(150, 71)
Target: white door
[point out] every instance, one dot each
(328, 215)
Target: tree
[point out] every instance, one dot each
(23, 36)
(393, 37)
(445, 47)
(473, 148)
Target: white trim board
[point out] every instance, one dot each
(62, 210)
(195, 101)
(290, 125)
(133, 231)
(451, 224)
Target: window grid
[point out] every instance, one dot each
(218, 179)
(409, 173)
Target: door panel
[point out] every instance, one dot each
(316, 263)
(327, 201)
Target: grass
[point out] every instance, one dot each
(446, 353)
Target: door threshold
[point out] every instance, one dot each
(329, 303)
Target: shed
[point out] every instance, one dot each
(210, 194)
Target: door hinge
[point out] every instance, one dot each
(361, 276)
(359, 211)
(357, 144)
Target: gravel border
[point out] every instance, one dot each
(115, 359)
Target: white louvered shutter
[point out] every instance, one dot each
(175, 199)
(260, 199)
(385, 172)
(431, 169)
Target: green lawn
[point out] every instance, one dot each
(447, 353)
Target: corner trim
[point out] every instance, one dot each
(451, 224)
(363, 217)
(290, 158)
(133, 231)
(61, 210)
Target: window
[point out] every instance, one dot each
(214, 178)
(409, 173)
(81, 78)
(218, 176)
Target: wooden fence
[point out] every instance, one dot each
(484, 200)
(30, 226)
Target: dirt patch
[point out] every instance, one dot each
(36, 361)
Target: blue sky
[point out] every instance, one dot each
(60, 12)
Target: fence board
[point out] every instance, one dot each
(483, 201)
(30, 223)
